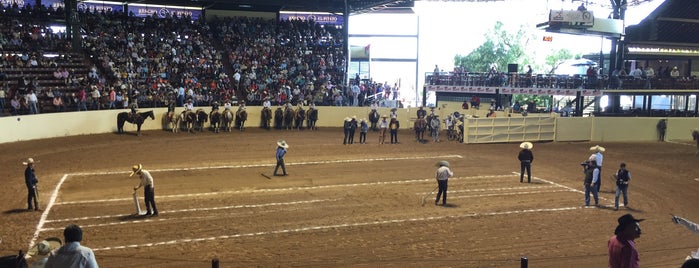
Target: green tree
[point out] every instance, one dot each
(558, 56)
(500, 49)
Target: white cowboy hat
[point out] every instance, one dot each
(354, 117)
(597, 148)
(347, 119)
(135, 169)
(442, 163)
(282, 143)
(29, 161)
(43, 248)
(526, 145)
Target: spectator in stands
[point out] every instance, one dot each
(650, 74)
(82, 99)
(112, 98)
(32, 102)
(95, 95)
(15, 105)
(675, 73)
(3, 96)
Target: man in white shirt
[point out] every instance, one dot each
(148, 188)
(72, 254)
(443, 174)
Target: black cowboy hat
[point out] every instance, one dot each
(624, 221)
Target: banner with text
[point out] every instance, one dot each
(19, 3)
(88, 6)
(319, 18)
(164, 11)
(513, 90)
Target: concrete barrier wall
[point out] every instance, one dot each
(611, 129)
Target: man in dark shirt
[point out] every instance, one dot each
(31, 181)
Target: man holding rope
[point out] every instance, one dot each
(443, 174)
(31, 181)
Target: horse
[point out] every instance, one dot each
(289, 115)
(215, 119)
(374, 119)
(695, 136)
(188, 118)
(420, 126)
(201, 118)
(240, 117)
(311, 118)
(266, 117)
(13, 260)
(173, 121)
(299, 116)
(278, 118)
(137, 119)
(227, 119)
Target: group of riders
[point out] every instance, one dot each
(286, 116)
(424, 122)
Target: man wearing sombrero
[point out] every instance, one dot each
(281, 151)
(148, 188)
(31, 181)
(525, 159)
(598, 157)
(443, 174)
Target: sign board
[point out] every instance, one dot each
(571, 18)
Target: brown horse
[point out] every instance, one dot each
(202, 118)
(311, 118)
(420, 126)
(279, 118)
(695, 136)
(240, 117)
(227, 120)
(289, 115)
(188, 118)
(374, 119)
(266, 118)
(299, 116)
(137, 119)
(215, 119)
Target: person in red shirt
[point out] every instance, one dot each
(621, 246)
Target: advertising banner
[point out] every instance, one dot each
(163, 11)
(320, 18)
(19, 3)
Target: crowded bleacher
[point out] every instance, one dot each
(154, 62)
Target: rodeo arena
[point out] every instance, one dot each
(274, 141)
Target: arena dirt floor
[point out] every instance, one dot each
(343, 205)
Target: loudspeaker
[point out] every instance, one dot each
(512, 68)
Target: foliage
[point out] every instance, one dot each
(558, 56)
(500, 49)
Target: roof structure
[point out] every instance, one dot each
(330, 6)
(674, 23)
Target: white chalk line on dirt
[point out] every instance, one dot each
(271, 165)
(282, 189)
(681, 143)
(47, 209)
(561, 185)
(54, 195)
(148, 220)
(506, 194)
(201, 209)
(335, 226)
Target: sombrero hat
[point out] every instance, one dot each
(29, 161)
(282, 143)
(384, 116)
(43, 248)
(597, 148)
(526, 145)
(347, 119)
(442, 163)
(135, 169)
